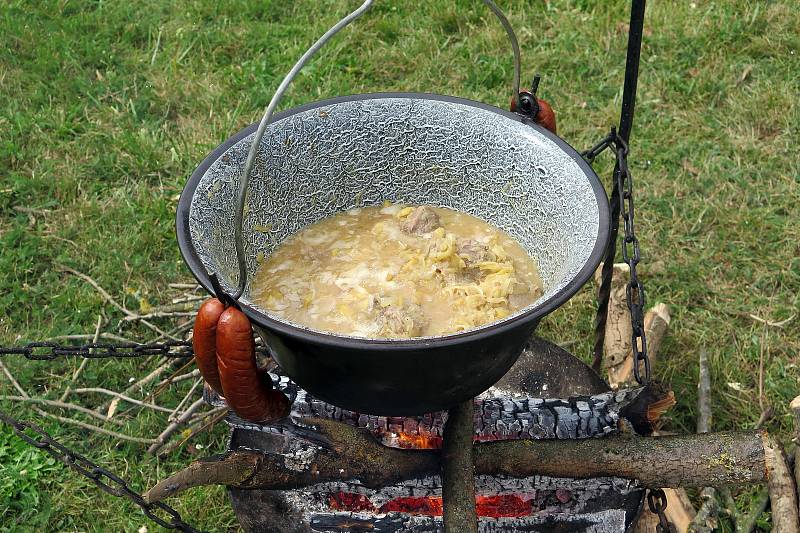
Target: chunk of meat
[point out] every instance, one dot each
(402, 321)
(422, 219)
(473, 252)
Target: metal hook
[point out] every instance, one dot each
(262, 126)
(265, 120)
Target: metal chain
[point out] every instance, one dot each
(631, 254)
(622, 205)
(47, 351)
(105, 480)
(657, 502)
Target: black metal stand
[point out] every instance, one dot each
(625, 125)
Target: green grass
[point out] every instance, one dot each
(108, 106)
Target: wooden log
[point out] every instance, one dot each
(782, 492)
(458, 471)
(344, 452)
(656, 325)
(618, 320)
(680, 510)
(646, 522)
(794, 407)
(706, 519)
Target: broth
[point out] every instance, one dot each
(396, 272)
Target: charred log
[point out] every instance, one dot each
(495, 418)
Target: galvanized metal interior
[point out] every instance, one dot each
(416, 149)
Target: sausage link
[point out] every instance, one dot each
(246, 393)
(546, 117)
(204, 341)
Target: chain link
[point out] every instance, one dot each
(105, 480)
(657, 502)
(631, 254)
(47, 351)
(622, 206)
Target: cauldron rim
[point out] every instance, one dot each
(531, 316)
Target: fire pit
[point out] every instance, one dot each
(523, 405)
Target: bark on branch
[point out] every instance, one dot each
(458, 474)
(686, 460)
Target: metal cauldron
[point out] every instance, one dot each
(319, 159)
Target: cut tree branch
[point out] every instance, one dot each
(458, 472)
(685, 460)
(618, 321)
(782, 494)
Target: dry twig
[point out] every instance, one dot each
(13, 381)
(122, 397)
(156, 314)
(199, 417)
(85, 360)
(61, 405)
(193, 286)
(208, 425)
(182, 377)
(136, 386)
(770, 323)
(108, 298)
(163, 384)
(174, 413)
(88, 336)
(96, 429)
(173, 427)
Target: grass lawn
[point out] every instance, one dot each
(106, 107)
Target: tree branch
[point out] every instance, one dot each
(458, 472)
(685, 460)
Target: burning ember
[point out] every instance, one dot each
(412, 442)
(498, 506)
(503, 503)
(537, 503)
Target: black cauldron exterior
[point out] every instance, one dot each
(328, 156)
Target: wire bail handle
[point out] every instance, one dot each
(267, 118)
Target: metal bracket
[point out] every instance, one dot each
(528, 103)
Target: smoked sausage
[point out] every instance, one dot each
(251, 397)
(546, 117)
(204, 341)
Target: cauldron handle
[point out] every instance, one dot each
(265, 120)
